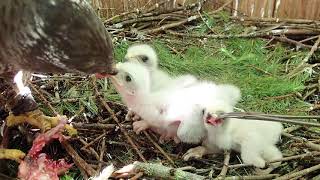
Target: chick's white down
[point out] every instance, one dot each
(146, 55)
(255, 140)
(170, 112)
(133, 84)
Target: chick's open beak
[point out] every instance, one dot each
(213, 119)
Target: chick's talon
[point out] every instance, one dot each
(196, 153)
(140, 126)
(13, 154)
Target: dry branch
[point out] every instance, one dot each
(263, 117)
(224, 170)
(160, 171)
(277, 20)
(176, 24)
(305, 60)
(307, 143)
(98, 126)
(159, 148)
(113, 115)
(299, 173)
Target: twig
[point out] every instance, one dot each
(98, 126)
(268, 176)
(224, 170)
(291, 129)
(81, 164)
(43, 99)
(309, 39)
(297, 21)
(299, 173)
(120, 15)
(290, 41)
(158, 170)
(305, 60)
(95, 140)
(308, 94)
(307, 143)
(91, 150)
(102, 150)
(260, 117)
(300, 156)
(159, 148)
(190, 19)
(251, 35)
(137, 176)
(123, 130)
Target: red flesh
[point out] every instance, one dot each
(214, 121)
(37, 165)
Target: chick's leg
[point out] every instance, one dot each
(197, 153)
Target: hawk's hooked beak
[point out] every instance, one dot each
(107, 75)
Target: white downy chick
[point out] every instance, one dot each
(255, 140)
(169, 112)
(162, 111)
(189, 104)
(133, 84)
(146, 55)
(182, 109)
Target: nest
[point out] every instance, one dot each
(104, 137)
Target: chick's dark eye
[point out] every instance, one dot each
(202, 111)
(128, 78)
(144, 58)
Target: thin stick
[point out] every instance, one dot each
(274, 115)
(224, 170)
(252, 35)
(297, 21)
(309, 39)
(102, 150)
(114, 117)
(91, 150)
(268, 176)
(290, 41)
(307, 143)
(95, 140)
(159, 148)
(306, 59)
(78, 160)
(44, 99)
(299, 173)
(179, 23)
(300, 156)
(98, 126)
(267, 118)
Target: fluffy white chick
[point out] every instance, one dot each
(162, 111)
(185, 105)
(146, 55)
(255, 140)
(133, 84)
